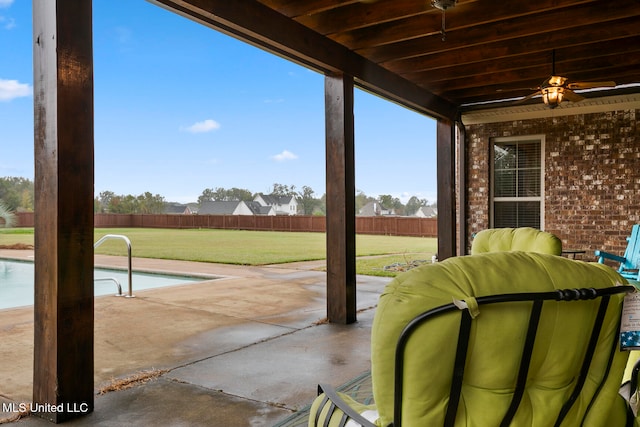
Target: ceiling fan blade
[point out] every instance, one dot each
(518, 89)
(590, 85)
(572, 96)
(528, 97)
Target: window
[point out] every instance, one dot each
(517, 190)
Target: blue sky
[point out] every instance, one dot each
(180, 108)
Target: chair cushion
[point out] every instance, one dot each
(490, 379)
(516, 239)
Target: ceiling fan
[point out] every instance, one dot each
(555, 88)
(442, 5)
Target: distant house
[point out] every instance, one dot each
(426, 212)
(224, 208)
(258, 209)
(177, 209)
(283, 205)
(375, 208)
(193, 207)
(234, 208)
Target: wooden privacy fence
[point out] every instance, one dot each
(392, 226)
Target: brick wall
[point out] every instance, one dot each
(592, 176)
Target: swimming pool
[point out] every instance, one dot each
(16, 282)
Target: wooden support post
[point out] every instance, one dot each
(446, 162)
(63, 122)
(461, 186)
(341, 220)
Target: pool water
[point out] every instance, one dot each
(16, 282)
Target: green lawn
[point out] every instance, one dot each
(248, 247)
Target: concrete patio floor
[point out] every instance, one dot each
(247, 349)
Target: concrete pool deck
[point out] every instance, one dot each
(244, 350)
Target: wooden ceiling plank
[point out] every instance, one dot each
(483, 68)
(621, 75)
(465, 91)
(531, 78)
(460, 17)
(575, 58)
(516, 96)
(531, 25)
(358, 15)
(563, 39)
(295, 8)
(267, 29)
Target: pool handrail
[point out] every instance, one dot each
(128, 242)
(114, 280)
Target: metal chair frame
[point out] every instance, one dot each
(537, 300)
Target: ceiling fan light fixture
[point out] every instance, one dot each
(552, 95)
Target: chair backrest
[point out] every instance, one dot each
(535, 363)
(516, 239)
(632, 252)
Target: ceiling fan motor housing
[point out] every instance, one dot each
(443, 4)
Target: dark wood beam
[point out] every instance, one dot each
(255, 23)
(63, 115)
(294, 8)
(507, 29)
(463, 16)
(460, 144)
(574, 70)
(341, 200)
(360, 14)
(446, 165)
(621, 75)
(567, 60)
(540, 42)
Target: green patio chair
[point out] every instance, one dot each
(630, 261)
(526, 239)
(497, 339)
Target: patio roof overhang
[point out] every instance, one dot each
(491, 54)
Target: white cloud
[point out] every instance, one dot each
(5, 3)
(123, 34)
(202, 127)
(284, 156)
(11, 89)
(7, 23)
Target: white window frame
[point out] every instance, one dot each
(493, 199)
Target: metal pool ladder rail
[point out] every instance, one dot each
(128, 242)
(111, 279)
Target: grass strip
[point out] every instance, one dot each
(243, 247)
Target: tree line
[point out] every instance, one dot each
(17, 194)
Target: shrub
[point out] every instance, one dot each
(7, 218)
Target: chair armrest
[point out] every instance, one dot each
(335, 399)
(602, 255)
